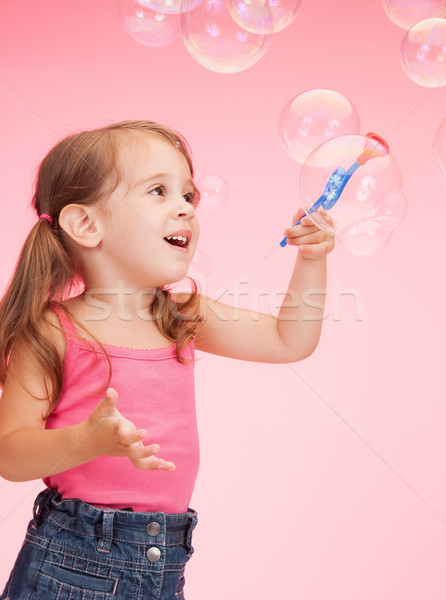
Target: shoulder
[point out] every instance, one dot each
(54, 330)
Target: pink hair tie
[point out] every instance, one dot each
(49, 219)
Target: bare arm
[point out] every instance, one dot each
(299, 322)
(31, 453)
(34, 452)
(294, 333)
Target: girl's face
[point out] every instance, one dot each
(155, 199)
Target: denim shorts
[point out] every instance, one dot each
(76, 551)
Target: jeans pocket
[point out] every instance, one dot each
(63, 582)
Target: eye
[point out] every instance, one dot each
(160, 187)
(193, 198)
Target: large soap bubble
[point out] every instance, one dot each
(423, 53)
(213, 191)
(314, 117)
(406, 13)
(171, 7)
(147, 26)
(353, 178)
(392, 209)
(439, 152)
(216, 41)
(253, 15)
(258, 16)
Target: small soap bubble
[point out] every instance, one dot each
(146, 26)
(406, 13)
(214, 191)
(200, 266)
(439, 152)
(423, 53)
(366, 237)
(216, 41)
(374, 186)
(313, 117)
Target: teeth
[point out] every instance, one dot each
(177, 237)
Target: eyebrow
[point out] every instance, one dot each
(147, 179)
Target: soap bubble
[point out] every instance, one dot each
(254, 16)
(323, 174)
(439, 152)
(264, 17)
(314, 117)
(200, 266)
(168, 6)
(215, 40)
(423, 53)
(365, 237)
(214, 191)
(147, 26)
(392, 209)
(407, 13)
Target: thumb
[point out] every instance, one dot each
(300, 213)
(107, 405)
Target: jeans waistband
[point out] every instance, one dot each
(80, 517)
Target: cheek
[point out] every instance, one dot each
(135, 240)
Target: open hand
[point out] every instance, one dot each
(313, 242)
(114, 435)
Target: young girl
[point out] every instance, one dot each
(86, 378)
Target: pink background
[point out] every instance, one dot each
(319, 479)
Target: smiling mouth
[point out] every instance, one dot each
(179, 243)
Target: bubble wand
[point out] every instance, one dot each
(339, 178)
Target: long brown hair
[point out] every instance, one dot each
(83, 169)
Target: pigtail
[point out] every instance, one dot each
(42, 273)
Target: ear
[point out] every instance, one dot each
(82, 224)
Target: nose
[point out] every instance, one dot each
(185, 209)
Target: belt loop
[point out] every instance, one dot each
(41, 505)
(192, 523)
(106, 538)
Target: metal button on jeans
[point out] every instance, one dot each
(153, 554)
(153, 528)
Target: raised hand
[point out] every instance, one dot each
(111, 434)
(313, 242)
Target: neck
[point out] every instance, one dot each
(122, 303)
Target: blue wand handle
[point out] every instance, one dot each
(332, 191)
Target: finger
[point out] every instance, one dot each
(301, 229)
(138, 450)
(106, 406)
(127, 432)
(166, 464)
(306, 221)
(300, 213)
(307, 237)
(152, 463)
(145, 456)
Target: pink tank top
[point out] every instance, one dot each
(157, 393)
